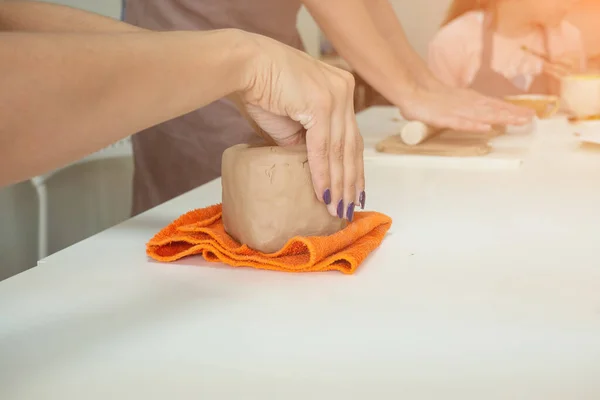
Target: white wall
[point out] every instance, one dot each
(420, 18)
(110, 8)
(89, 198)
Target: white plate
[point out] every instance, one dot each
(588, 131)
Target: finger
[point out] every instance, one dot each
(466, 123)
(350, 173)
(498, 112)
(337, 149)
(561, 71)
(564, 66)
(351, 157)
(354, 167)
(493, 105)
(511, 114)
(360, 169)
(318, 125)
(463, 124)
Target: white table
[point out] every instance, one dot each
(486, 287)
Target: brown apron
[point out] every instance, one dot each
(182, 154)
(492, 83)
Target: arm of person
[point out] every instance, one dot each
(388, 25)
(353, 27)
(34, 16)
(66, 95)
(358, 40)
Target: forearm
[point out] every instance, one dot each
(386, 21)
(77, 93)
(35, 16)
(358, 40)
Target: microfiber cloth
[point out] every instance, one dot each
(201, 232)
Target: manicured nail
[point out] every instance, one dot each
(340, 209)
(327, 197)
(350, 212)
(362, 199)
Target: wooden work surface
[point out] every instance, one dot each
(447, 143)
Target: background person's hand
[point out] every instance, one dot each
(564, 65)
(295, 98)
(460, 109)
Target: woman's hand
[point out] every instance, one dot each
(462, 109)
(564, 65)
(295, 98)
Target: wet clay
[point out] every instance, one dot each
(268, 197)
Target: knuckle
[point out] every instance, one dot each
(351, 184)
(348, 80)
(318, 150)
(342, 84)
(351, 145)
(338, 85)
(323, 99)
(337, 150)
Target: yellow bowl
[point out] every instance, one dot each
(544, 105)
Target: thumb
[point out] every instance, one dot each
(282, 129)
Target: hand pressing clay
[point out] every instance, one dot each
(268, 197)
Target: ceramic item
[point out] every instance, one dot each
(544, 106)
(580, 95)
(268, 197)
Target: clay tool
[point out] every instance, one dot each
(416, 132)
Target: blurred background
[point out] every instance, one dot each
(93, 195)
(49, 213)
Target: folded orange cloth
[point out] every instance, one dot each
(201, 232)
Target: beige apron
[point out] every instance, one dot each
(492, 83)
(182, 154)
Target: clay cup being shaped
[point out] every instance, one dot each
(268, 197)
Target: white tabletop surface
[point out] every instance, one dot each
(486, 287)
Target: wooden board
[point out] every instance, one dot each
(448, 143)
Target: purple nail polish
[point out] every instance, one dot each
(327, 197)
(350, 212)
(362, 199)
(340, 209)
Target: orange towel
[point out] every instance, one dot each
(201, 232)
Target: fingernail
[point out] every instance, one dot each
(327, 197)
(362, 199)
(340, 209)
(350, 211)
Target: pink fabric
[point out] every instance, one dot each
(455, 53)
